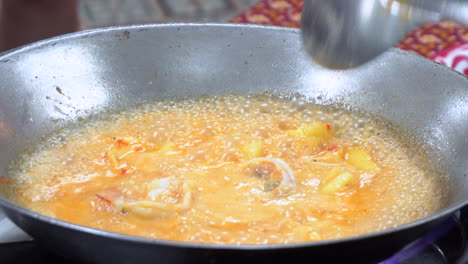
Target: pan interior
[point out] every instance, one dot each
(50, 84)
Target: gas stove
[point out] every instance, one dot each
(445, 244)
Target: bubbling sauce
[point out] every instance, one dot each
(257, 169)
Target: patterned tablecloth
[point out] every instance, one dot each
(446, 42)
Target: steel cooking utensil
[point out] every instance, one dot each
(341, 34)
(48, 84)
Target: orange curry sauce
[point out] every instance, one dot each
(230, 169)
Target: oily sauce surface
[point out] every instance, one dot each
(256, 169)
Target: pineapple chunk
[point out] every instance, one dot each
(360, 159)
(297, 133)
(316, 129)
(310, 136)
(337, 183)
(253, 149)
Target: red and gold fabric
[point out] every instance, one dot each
(445, 42)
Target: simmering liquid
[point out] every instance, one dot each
(231, 169)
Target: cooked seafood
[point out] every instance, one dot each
(162, 199)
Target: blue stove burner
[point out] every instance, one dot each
(447, 243)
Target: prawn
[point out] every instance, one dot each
(165, 197)
(280, 178)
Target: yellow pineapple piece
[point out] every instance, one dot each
(360, 159)
(317, 129)
(337, 183)
(253, 149)
(296, 133)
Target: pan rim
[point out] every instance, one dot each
(442, 214)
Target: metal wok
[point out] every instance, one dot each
(50, 83)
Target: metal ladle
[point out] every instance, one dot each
(341, 34)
